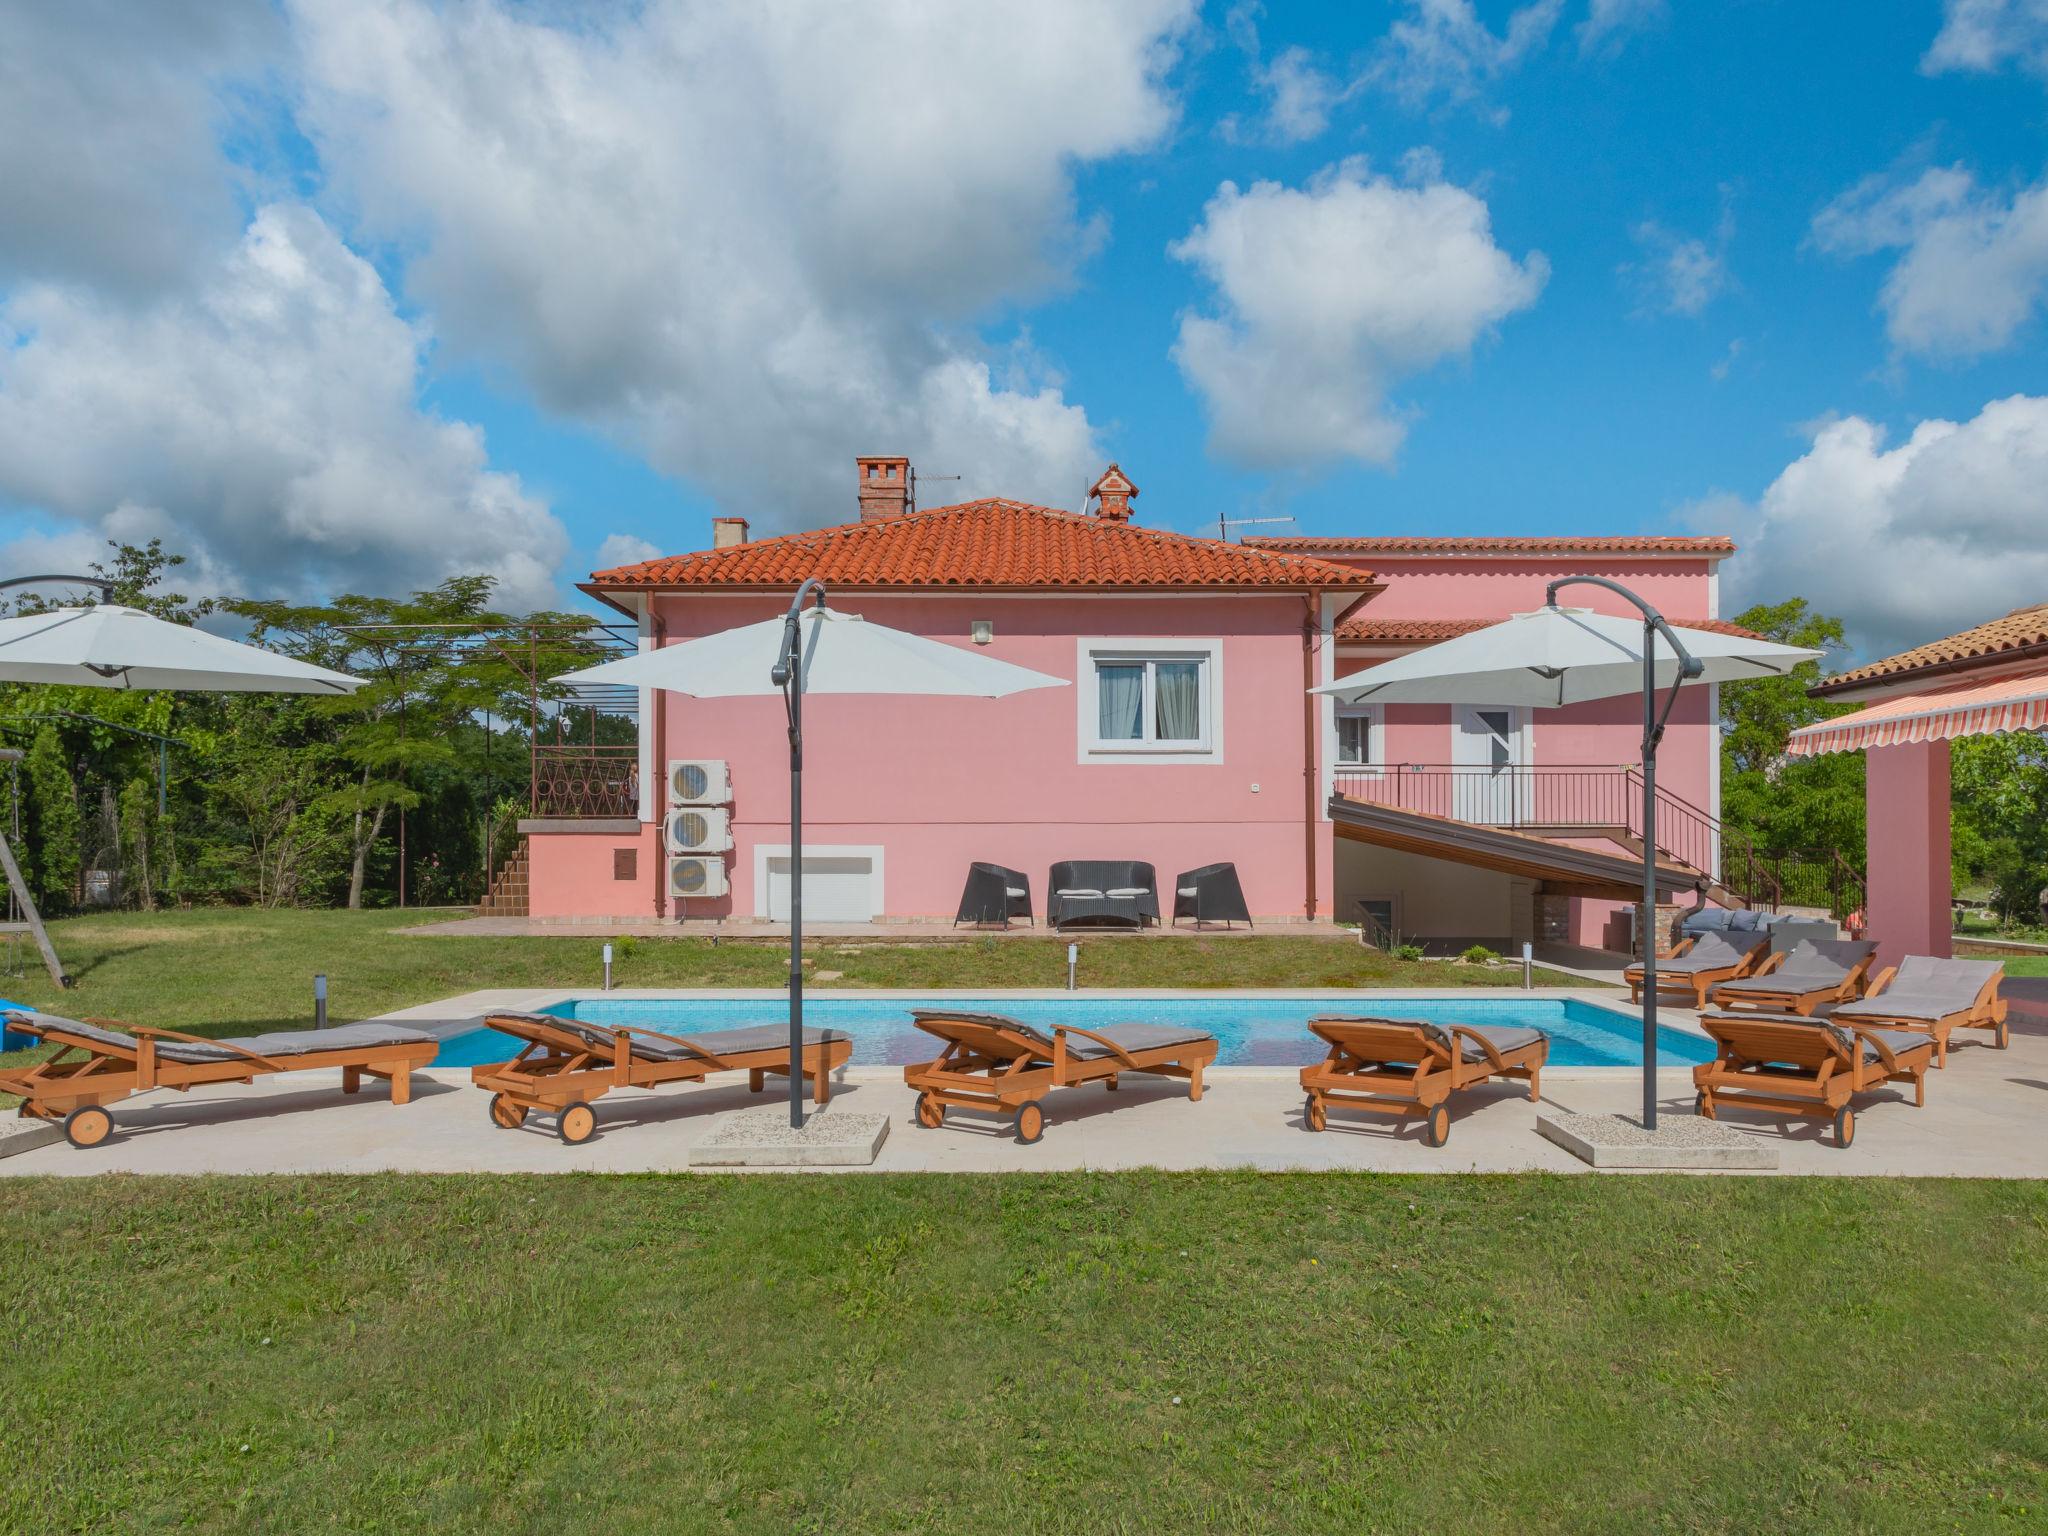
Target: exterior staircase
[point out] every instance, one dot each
(507, 895)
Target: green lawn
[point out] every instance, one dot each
(1125, 1353)
(223, 970)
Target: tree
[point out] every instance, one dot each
(53, 822)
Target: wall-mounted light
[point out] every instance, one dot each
(982, 631)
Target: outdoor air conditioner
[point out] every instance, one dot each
(692, 877)
(698, 829)
(693, 781)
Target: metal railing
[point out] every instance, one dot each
(586, 781)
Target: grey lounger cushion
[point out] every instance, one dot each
(1132, 1037)
(1502, 1037)
(1925, 988)
(712, 1042)
(281, 1043)
(1898, 1041)
(1813, 964)
(1710, 952)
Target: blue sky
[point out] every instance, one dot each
(397, 289)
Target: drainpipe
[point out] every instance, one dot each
(1309, 630)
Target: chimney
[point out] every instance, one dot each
(884, 487)
(728, 531)
(1113, 493)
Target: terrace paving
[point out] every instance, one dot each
(1983, 1119)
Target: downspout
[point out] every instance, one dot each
(1309, 775)
(660, 767)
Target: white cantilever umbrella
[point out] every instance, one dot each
(1558, 656)
(109, 646)
(812, 650)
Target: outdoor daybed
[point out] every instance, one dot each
(1109, 893)
(1701, 963)
(1935, 996)
(1409, 1068)
(1816, 971)
(567, 1063)
(101, 1063)
(1003, 1066)
(1791, 1065)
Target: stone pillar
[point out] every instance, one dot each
(1909, 911)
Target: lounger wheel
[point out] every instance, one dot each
(88, 1127)
(1436, 1127)
(1030, 1123)
(577, 1123)
(1845, 1126)
(2003, 1037)
(505, 1114)
(1315, 1114)
(931, 1114)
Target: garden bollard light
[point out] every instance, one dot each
(607, 967)
(319, 1002)
(1073, 959)
(1528, 966)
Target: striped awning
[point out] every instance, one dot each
(1936, 714)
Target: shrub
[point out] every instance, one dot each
(1408, 952)
(1479, 954)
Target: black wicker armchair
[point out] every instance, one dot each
(1105, 893)
(994, 895)
(1210, 894)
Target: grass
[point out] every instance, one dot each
(1118, 1353)
(222, 971)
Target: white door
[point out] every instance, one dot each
(1486, 749)
(838, 888)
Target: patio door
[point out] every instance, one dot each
(1488, 749)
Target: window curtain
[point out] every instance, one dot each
(1178, 704)
(1120, 702)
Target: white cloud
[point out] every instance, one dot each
(748, 242)
(1682, 274)
(1442, 50)
(1975, 264)
(1985, 35)
(1905, 543)
(265, 424)
(1329, 295)
(626, 549)
(1299, 93)
(1610, 23)
(109, 170)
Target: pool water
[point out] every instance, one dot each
(1254, 1031)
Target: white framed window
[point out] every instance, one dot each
(1359, 744)
(1150, 700)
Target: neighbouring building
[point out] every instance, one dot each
(1188, 736)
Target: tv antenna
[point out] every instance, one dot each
(915, 477)
(1225, 522)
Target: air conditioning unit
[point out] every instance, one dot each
(698, 829)
(690, 878)
(699, 782)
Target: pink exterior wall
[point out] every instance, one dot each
(1909, 879)
(571, 874)
(939, 783)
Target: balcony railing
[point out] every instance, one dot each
(586, 782)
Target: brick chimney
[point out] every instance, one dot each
(884, 488)
(1113, 493)
(728, 531)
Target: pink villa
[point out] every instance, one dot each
(1188, 735)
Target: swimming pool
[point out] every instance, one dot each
(1254, 1031)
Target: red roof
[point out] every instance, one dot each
(989, 543)
(2020, 634)
(1365, 629)
(1400, 544)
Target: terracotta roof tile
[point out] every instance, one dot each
(989, 543)
(1367, 630)
(1401, 544)
(2024, 629)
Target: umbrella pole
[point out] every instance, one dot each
(788, 675)
(1647, 925)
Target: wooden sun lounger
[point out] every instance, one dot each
(1004, 1067)
(1794, 1065)
(1695, 978)
(1799, 992)
(1408, 1069)
(102, 1062)
(1934, 996)
(567, 1063)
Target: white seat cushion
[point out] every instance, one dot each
(1190, 890)
(1015, 890)
(1130, 890)
(1079, 893)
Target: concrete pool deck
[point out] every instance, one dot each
(1983, 1118)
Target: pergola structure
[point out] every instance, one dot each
(1986, 680)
